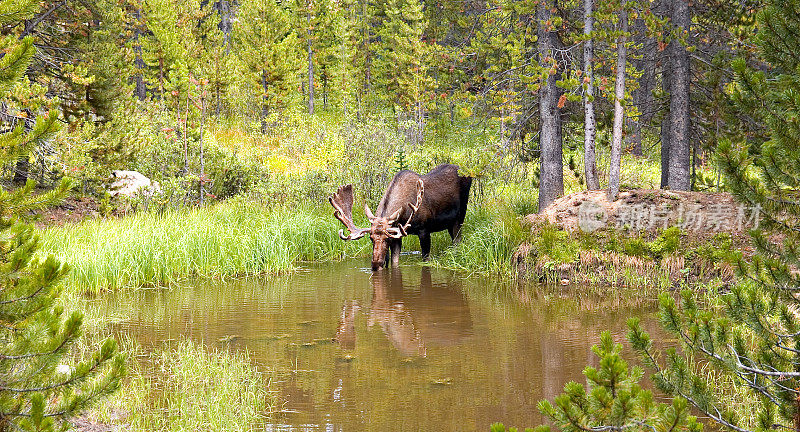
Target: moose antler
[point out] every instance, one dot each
(342, 202)
(401, 230)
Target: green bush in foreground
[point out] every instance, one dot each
(612, 401)
(40, 388)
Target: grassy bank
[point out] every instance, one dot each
(191, 388)
(239, 238)
(490, 236)
(230, 238)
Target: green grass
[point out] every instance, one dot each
(230, 238)
(191, 388)
(491, 234)
(238, 237)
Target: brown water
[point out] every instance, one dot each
(399, 350)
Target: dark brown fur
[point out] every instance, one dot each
(443, 207)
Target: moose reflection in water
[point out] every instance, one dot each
(412, 319)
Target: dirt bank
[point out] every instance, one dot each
(627, 242)
(699, 213)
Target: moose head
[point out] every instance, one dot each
(386, 229)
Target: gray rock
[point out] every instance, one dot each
(129, 183)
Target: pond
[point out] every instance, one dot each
(403, 349)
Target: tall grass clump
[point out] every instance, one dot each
(490, 236)
(231, 238)
(191, 388)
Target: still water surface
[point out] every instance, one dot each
(407, 349)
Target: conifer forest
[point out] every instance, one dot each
(400, 215)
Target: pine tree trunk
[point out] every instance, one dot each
(590, 124)
(619, 111)
(202, 154)
(797, 414)
(641, 93)
(140, 90)
(310, 69)
(420, 133)
(666, 122)
(22, 170)
(161, 77)
(185, 135)
(217, 100)
(224, 10)
(665, 129)
(264, 105)
(551, 177)
(325, 92)
(679, 177)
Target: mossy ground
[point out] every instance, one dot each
(662, 259)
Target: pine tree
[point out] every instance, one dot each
(757, 338)
(613, 400)
(38, 387)
(103, 54)
(313, 23)
(330, 42)
(365, 22)
(267, 47)
(216, 62)
(173, 43)
(344, 72)
(402, 63)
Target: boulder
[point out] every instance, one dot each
(129, 183)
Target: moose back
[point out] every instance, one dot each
(413, 204)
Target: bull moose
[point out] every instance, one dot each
(413, 204)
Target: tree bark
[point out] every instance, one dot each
(161, 76)
(666, 123)
(264, 105)
(619, 111)
(590, 123)
(679, 177)
(141, 89)
(22, 170)
(551, 177)
(642, 95)
(224, 10)
(202, 153)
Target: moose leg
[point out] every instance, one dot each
(396, 246)
(425, 245)
(455, 233)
